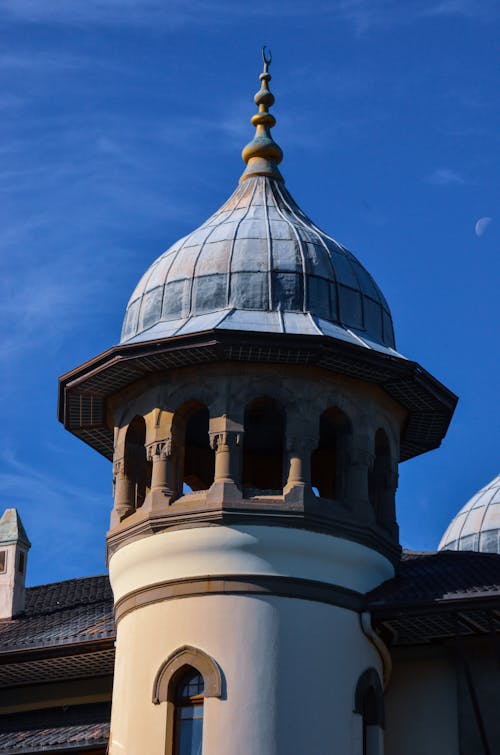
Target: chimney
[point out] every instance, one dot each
(14, 547)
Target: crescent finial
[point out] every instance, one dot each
(266, 58)
(262, 155)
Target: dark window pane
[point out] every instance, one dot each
(249, 291)
(350, 307)
(489, 542)
(366, 281)
(189, 730)
(287, 292)
(130, 326)
(388, 330)
(209, 293)
(151, 307)
(344, 270)
(373, 318)
(173, 301)
(319, 297)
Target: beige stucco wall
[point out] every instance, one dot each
(285, 551)
(421, 705)
(290, 668)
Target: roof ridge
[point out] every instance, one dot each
(71, 579)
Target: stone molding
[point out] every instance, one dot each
(163, 687)
(313, 514)
(234, 584)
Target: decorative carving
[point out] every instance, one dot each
(119, 468)
(225, 438)
(160, 449)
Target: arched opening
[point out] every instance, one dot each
(183, 681)
(328, 459)
(188, 713)
(263, 446)
(137, 467)
(195, 458)
(369, 704)
(370, 722)
(379, 475)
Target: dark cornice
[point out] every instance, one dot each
(84, 391)
(23, 655)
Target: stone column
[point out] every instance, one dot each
(298, 485)
(226, 438)
(124, 493)
(359, 460)
(163, 483)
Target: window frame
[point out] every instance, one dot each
(181, 703)
(171, 672)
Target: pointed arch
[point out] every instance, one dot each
(263, 445)
(328, 460)
(195, 459)
(369, 704)
(380, 491)
(176, 664)
(137, 467)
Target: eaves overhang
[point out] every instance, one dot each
(420, 622)
(85, 391)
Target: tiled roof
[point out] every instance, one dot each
(73, 611)
(81, 610)
(65, 728)
(439, 596)
(74, 666)
(424, 578)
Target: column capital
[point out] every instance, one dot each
(160, 449)
(118, 467)
(300, 442)
(221, 438)
(360, 457)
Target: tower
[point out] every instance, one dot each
(14, 547)
(255, 412)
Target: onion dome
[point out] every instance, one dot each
(259, 264)
(476, 527)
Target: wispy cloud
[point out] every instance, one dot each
(42, 500)
(446, 177)
(361, 14)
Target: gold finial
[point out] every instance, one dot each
(262, 155)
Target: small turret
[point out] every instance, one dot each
(14, 547)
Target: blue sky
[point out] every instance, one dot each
(121, 127)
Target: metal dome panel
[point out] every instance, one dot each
(259, 253)
(476, 527)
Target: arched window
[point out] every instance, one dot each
(137, 467)
(199, 458)
(195, 459)
(263, 443)
(184, 680)
(188, 716)
(369, 704)
(328, 460)
(379, 487)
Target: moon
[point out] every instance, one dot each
(481, 226)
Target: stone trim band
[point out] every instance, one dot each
(241, 584)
